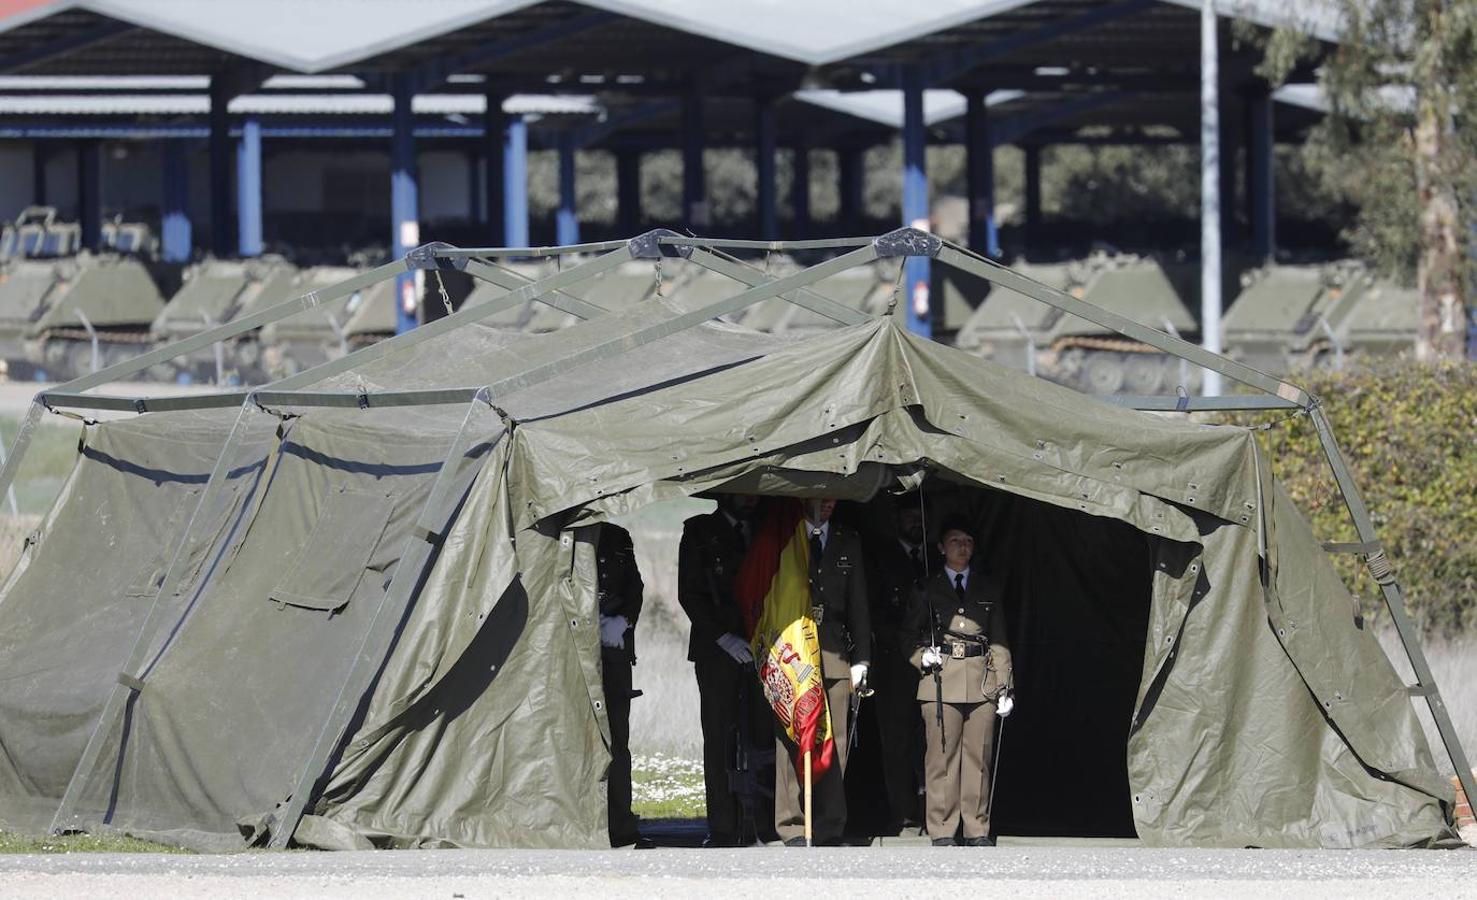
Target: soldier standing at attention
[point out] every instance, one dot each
(620, 589)
(838, 596)
(957, 630)
(895, 570)
(708, 560)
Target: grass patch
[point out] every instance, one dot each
(81, 843)
(49, 460)
(667, 787)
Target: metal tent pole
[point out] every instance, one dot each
(130, 679)
(451, 483)
(1210, 196)
(1379, 568)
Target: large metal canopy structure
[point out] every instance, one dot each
(627, 333)
(681, 74)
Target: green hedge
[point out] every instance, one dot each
(1409, 433)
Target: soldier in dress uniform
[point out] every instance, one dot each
(957, 630)
(620, 589)
(708, 559)
(838, 595)
(896, 567)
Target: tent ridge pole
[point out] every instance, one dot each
(805, 298)
(510, 280)
(625, 341)
(230, 329)
(1215, 362)
(465, 316)
(1394, 602)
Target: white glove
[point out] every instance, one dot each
(858, 675)
(1004, 705)
(933, 659)
(613, 631)
(736, 647)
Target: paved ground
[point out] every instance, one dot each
(1006, 872)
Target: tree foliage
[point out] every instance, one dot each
(1406, 431)
(1401, 87)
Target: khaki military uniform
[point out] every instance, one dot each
(729, 696)
(893, 575)
(838, 593)
(971, 632)
(621, 589)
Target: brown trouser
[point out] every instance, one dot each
(828, 800)
(957, 769)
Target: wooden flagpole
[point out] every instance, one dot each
(808, 831)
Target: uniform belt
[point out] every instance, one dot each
(961, 650)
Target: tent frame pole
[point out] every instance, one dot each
(130, 684)
(357, 683)
(130, 679)
(1394, 597)
(451, 484)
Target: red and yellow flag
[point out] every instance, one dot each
(773, 589)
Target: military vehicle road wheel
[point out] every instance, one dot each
(1143, 374)
(1102, 373)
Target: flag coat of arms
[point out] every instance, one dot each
(773, 589)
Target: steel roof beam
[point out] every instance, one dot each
(62, 46)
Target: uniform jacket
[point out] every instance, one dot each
(618, 579)
(838, 584)
(892, 580)
(708, 560)
(974, 679)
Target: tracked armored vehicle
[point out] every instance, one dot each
(1023, 333)
(1295, 317)
(214, 292)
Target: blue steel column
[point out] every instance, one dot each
(766, 199)
(800, 187)
(89, 194)
(979, 152)
(249, 189)
(175, 236)
(220, 167)
(628, 190)
(694, 180)
(566, 218)
(915, 198)
(515, 183)
(1261, 185)
(494, 146)
(404, 199)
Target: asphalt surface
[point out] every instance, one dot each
(1009, 872)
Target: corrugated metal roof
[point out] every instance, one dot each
(886, 107)
(288, 104)
(317, 35)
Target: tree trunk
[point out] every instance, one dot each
(1443, 329)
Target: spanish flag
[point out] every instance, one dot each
(773, 589)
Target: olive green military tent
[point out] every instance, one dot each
(365, 614)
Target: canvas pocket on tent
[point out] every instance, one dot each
(332, 561)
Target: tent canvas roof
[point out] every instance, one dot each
(424, 591)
